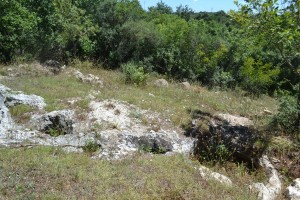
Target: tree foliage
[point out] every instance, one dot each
(256, 47)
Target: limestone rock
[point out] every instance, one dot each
(6, 121)
(209, 175)
(185, 85)
(116, 144)
(61, 121)
(273, 188)
(161, 83)
(293, 190)
(235, 120)
(232, 132)
(54, 66)
(90, 78)
(12, 98)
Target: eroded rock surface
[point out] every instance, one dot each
(6, 121)
(272, 189)
(90, 78)
(161, 83)
(129, 132)
(293, 190)
(119, 128)
(210, 175)
(60, 121)
(233, 133)
(12, 98)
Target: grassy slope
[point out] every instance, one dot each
(47, 173)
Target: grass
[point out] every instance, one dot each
(21, 113)
(174, 101)
(49, 173)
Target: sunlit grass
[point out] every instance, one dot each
(49, 173)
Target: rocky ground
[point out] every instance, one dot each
(115, 129)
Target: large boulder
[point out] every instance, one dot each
(225, 136)
(116, 144)
(54, 66)
(61, 122)
(12, 98)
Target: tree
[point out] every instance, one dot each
(18, 29)
(184, 12)
(161, 8)
(277, 25)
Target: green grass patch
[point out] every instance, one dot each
(20, 113)
(173, 102)
(43, 173)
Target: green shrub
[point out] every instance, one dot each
(134, 74)
(90, 146)
(258, 77)
(222, 79)
(287, 114)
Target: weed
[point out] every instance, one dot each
(83, 104)
(19, 110)
(20, 113)
(91, 146)
(55, 132)
(155, 149)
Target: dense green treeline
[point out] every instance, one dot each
(183, 44)
(216, 49)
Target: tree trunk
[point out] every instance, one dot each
(298, 106)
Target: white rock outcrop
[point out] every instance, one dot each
(272, 189)
(207, 174)
(293, 190)
(90, 78)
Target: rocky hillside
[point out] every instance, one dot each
(79, 112)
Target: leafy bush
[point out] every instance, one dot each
(257, 77)
(222, 79)
(134, 74)
(287, 114)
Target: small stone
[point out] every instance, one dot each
(161, 83)
(185, 85)
(267, 112)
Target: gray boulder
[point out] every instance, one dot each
(6, 121)
(161, 83)
(54, 66)
(12, 98)
(60, 121)
(185, 85)
(117, 144)
(232, 135)
(90, 78)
